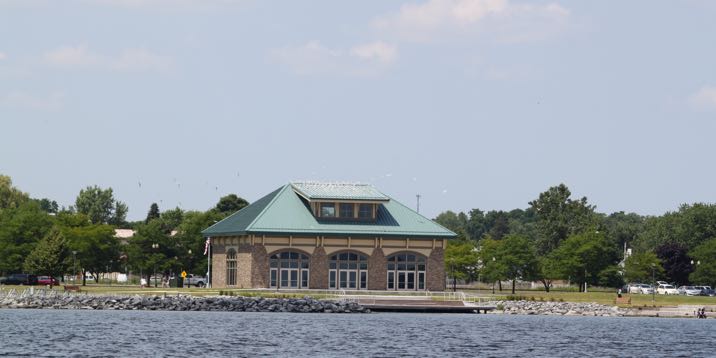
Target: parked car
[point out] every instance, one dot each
(689, 291)
(646, 289)
(666, 289)
(47, 280)
(19, 279)
(195, 280)
(633, 288)
(706, 291)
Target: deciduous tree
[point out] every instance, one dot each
(49, 257)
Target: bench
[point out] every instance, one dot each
(72, 288)
(624, 300)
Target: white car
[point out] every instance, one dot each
(646, 289)
(689, 290)
(666, 289)
(634, 288)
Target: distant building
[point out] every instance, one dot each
(123, 235)
(328, 236)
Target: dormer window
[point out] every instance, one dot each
(346, 210)
(341, 201)
(328, 210)
(365, 211)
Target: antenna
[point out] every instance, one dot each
(418, 196)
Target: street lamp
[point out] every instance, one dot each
(653, 283)
(187, 266)
(493, 280)
(155, 246)
(74, 267)
(452, 272)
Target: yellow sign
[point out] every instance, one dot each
(183, 274)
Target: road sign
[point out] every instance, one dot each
(183, 274)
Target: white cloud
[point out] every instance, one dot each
(315, 58)
(441, 20)
(127, 60)
(375, 51)
(704, 98)
(21, 99)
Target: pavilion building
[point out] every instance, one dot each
(309, 235)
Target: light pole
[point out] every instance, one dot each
(493, 280)
(187, 266)
(74, 267)
(653, 283)
(452, 272)
(155, 246)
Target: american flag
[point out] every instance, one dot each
(206, 245)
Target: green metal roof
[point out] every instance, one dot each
(284, 212)
(338, 191)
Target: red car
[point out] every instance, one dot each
(47, 280)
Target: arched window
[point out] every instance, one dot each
(406, 271)
(289, 269)
(231, 267)
(348, 271)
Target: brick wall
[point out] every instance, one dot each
(436, 270)
(377, 267)
(319, 269)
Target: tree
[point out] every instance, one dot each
(453, 222)
(638, 267)
(491, 269)
(49, 256)
(559, 217)
(461, 260)
(476, 225)
(189, 237)
(623, 228)
(10, 196)
(48, 206)
(675, 261)
(100, 206)
(517, 256)
(120, 214)
(690, 226)
(498, 223)
(95, 245)
(704, 257)
(583, 257)
(20, 229)
(171, 219)
(230, 204)
(153, 213)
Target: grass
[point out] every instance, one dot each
(603, 297)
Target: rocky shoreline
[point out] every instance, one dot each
(178, 303)
(557, 308)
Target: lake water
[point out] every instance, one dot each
(38, 333)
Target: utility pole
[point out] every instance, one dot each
(418, 196)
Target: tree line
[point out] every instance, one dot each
(39, 237)
(558, 237)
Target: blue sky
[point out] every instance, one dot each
(470, 103)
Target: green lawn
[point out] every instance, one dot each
(602, 297)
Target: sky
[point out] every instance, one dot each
(469, 103)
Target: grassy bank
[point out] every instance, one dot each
(602, 297)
